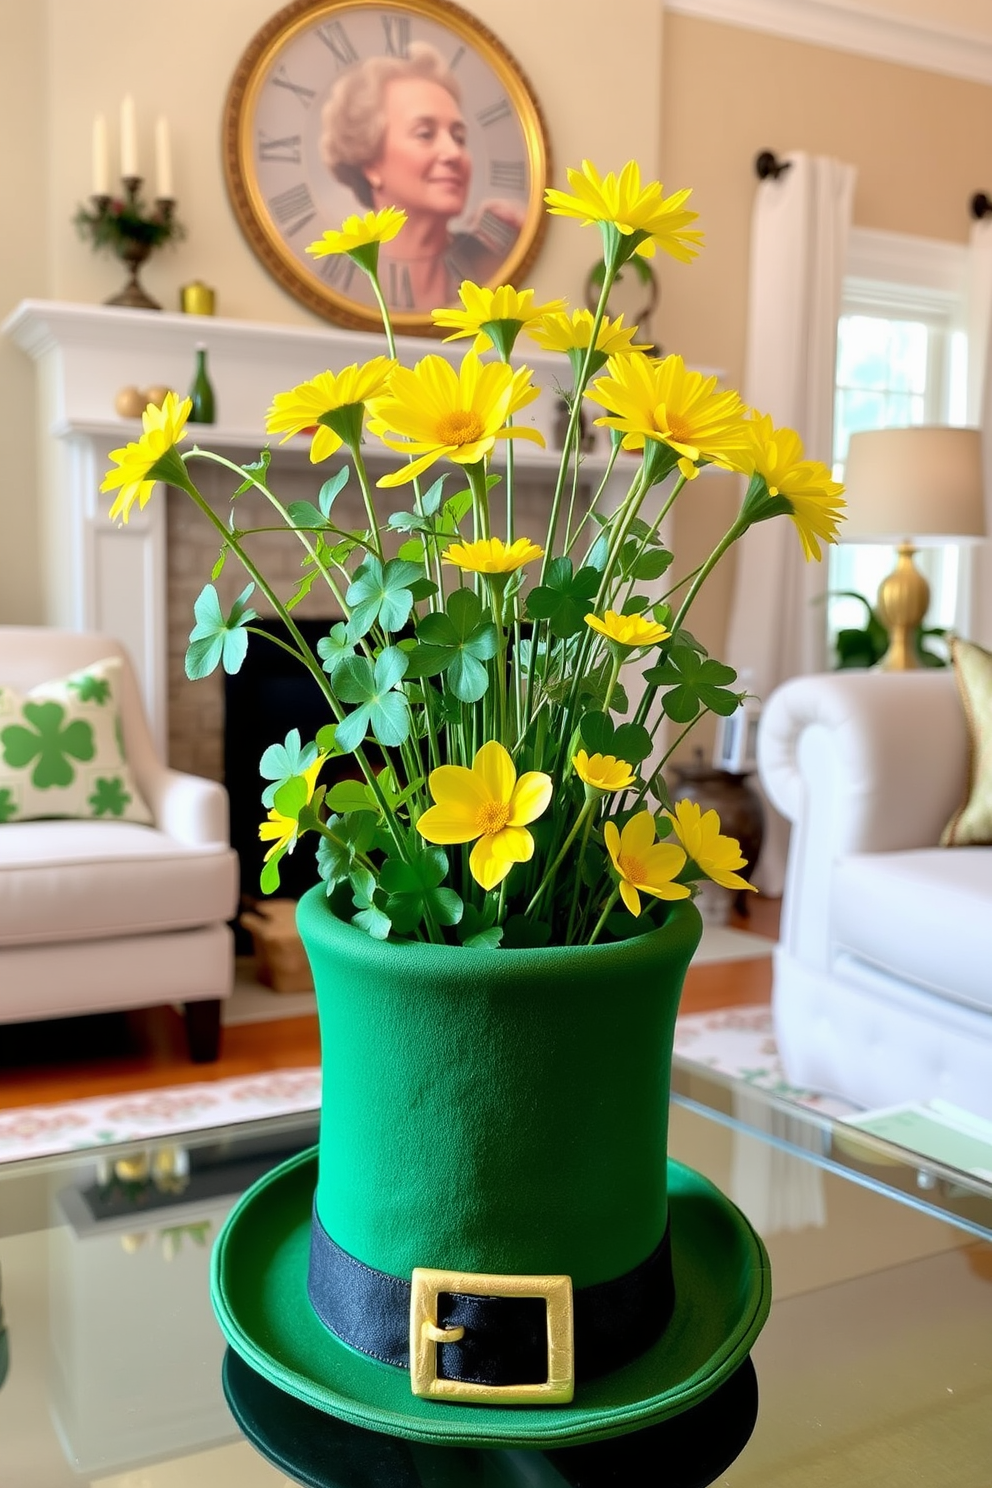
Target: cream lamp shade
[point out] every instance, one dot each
(922, 483)
(909, 486)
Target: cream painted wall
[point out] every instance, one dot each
(922, 143)
(62, 62)
(24, 243)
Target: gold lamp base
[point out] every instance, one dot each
(903, 600)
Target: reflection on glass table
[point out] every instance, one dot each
(875, 1366)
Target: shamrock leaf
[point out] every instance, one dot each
(381, 592)
(90, 689)
(457, 643)
(628, 741)
(281, 762)
(8, 806)
(370, 917)
(47, 741)
(254, 472)
(109, 797)
(564, 599)
(331, 489)
(331, 648)
(413, 890)
(357, 681)
(344, 840)
(215, 639)
(693, 681)
(351, 795)
(305, 517)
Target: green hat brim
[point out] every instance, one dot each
(310, 1447)
(259, 1294)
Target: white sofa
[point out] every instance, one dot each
(883, 973)
(98, 915)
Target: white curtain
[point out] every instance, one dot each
(980, 415)
(799, 235)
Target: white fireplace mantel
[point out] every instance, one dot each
(112, 578)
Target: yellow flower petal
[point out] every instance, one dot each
(492, 555)
(358, 232)
(628, 630)
(668, 403)
(493, 767)
(662, 221)
(603, 771)
(643, 864)
(718, 856)
(531, 798)
(163, 428)
(487, 802)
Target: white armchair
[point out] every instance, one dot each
(883, 974)
(98, 915)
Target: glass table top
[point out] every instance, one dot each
(875, 1367)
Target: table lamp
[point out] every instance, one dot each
(921, 485)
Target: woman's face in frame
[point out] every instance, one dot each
(424, 165)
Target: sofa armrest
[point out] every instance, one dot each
(859, 762)
(189, 807)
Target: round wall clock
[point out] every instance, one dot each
(340, 107)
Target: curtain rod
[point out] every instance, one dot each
(768, 165)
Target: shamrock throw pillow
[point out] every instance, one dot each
(62, 750)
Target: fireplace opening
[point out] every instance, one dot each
(271, 694)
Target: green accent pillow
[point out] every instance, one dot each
(62, 750)
(971, 824)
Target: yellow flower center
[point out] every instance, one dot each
(493, 817)
(632, 869)
(679, 429)
(461, 426)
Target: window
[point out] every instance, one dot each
(902, 357)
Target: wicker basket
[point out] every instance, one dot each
(280, 960)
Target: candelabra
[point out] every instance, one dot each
(133, 233)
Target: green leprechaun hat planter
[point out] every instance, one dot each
(492, 1220)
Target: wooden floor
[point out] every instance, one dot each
(107, 1054)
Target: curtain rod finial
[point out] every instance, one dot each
(768, 165)
(980, 205)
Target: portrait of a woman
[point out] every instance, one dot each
(394, 132)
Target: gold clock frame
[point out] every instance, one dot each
(250, 209)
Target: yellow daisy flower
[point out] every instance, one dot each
(813, 496)
(145, 461)
(487, 802)
(604, 772)
(699, 833)
(490, 555)
(644, 864)
(492, 316)
(571, 334)
(435, 412)
(281, 830)
(665, 402)
(628, 630)
(334, 401)
(358, 233)
(657, 221)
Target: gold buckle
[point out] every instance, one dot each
(426, 1335)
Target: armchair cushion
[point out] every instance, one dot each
(972, 822)
(77, 880)
(62, 750)
(920, 916)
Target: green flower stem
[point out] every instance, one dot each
(612, 265)
(618, 657)
(201, 454)
(480, 498)
(387, 324)
(655, 527)
(604, 916)
(584, 815)
(363, 481)
(657, 775)
(593, 505)
(578, 880)
(738, 528)
(306, 655)
(570, 514)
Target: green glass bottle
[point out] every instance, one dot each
(201, 390)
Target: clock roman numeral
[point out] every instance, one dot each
(495, 233)
(287, 149)
(338, 271)
(337, 41)
(296, 202)
(399, 290)
(397, 33)
(495, 112)
(511, 175)
(456, 59)
(281, 79)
